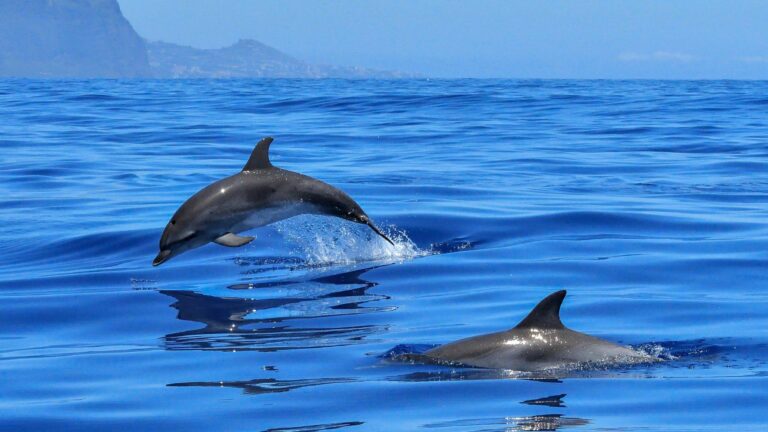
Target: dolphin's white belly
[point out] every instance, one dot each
(265, 216)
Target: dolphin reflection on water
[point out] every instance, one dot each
(268, 316)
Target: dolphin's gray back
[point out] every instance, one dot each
(539, 341)
(530, 350)
(276, 187)
(290, 186)
(251, 199)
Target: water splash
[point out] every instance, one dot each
(323, 241)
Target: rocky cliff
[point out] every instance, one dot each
(246, 58)
(69, 38)
(92, 39)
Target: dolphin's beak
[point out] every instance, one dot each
(377, 231)
(162, 257)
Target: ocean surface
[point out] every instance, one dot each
(646, 200)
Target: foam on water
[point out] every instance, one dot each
(323, 241)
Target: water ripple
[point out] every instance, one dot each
(645, 199)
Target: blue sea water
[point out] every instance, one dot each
(646, 200)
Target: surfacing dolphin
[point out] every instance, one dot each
(538, 342)
(258, 195)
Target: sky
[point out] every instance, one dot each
(666, 39)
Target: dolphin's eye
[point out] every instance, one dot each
(173, 222)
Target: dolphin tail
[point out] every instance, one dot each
(378, 231)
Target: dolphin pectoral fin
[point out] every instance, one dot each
(377, 231)
(233, 240)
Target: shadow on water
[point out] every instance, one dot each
(265, 385)
(544, 422)
(554, 401)
(317, 427)
(265, 316)
(466, 374)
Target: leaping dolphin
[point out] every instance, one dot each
(258, 195)
(538, 342)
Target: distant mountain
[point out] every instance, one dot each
(92, 39)
(246, 58)
(69, 38)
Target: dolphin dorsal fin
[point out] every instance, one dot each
(546, 314)
(260, 156)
